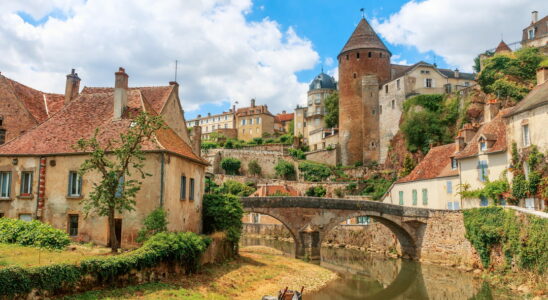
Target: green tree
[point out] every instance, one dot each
(236, 188)
(254, 168)
(231, 165)
(155, 222)
(408, 165)
(291, 128)
(332, 110)
(223, 212)
(285, 169)
(114, 161)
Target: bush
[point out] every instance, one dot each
(223, 212)
(314, 172)
(33, 233)
(316, 191)
(297, 153)
(209, 145)
(258, 141)
(235, 188)
(182, 248)
(339, 192)
(286, 139)
(285, 169)
(254, 168)
(231, 165)
(154, 223)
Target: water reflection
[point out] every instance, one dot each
(366, 275)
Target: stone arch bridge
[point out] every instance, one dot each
(436, 235)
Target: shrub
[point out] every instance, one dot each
(339, 192)
(316, 191)
(33, 233)
(258, 141)
(285, 169)
(254, 168)
(154, 223)
(236, 188)
(209, 145)
(314, 172)
(231, 165)
(286, 139)
(223, 212)
(297, 153)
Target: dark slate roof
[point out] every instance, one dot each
(364, 37)
(323, 81)
(537, 97)
(462, 75)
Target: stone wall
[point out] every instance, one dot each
(267, 159)
(330, 157)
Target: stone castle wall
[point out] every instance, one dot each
(267, 159)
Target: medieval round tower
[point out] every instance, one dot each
(364, 63)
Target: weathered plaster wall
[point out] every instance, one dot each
(172, 114)
(437, 191)
(497, 163)
(536, 119)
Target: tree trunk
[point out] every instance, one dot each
(112, 232)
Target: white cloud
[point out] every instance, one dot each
(396, 59)
(329, 61)
(458, 30)
(334, 73)
(221, 54)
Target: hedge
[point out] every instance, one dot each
(183, 248)
(223, 212)
(314, 172)
(33, 233)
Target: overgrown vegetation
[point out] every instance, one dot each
(154, 223)
(429, 120)
(512, 74)
(231, 165)
(254, 168)
(316, 191)
(524, 239)
(235, 188)
(533, 185)
(332, 110)
(493, 190)
(297, 153)
(285, 170)
(314, 172)
(223, 212)
(375, 186)
(180, 248)
(33, 233)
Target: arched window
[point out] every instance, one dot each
(358, 55)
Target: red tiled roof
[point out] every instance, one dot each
(157, 96)
(495, 131)
(283, 117)
(271, 190)
(39, 104)
(502, 47)
(92, 109)
(437, 163)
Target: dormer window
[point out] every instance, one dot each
(531, 33)
(454, 163)
(483, 145)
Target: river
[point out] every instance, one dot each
(365, 275)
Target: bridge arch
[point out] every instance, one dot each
(281, 219)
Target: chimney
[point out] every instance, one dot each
(542, 75)
(252, 102)
(491, 110)
(72, 86)
(197, 138)
(457, 73)
(534, 16)
(120, 93)
(459, 141)
(467, 132)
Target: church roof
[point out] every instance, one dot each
(364, 37)
(322, 81)
(502, 47)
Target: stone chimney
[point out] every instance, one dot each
(457, 73)
(467, 132)
(534, 16)
(120, 93)
(542, 75)
(72, 86)
(490, 110)
(197, 138)
(459, 141)
(252, 102)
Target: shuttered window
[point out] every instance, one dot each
(401, 197)
(183, 187)
(74, 184)
(424, 196)
(414, 197)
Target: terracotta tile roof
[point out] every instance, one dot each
(157, 96)
(39, 104)
(92, 109)
(252, 110)
(437, 163)
(283, 117)
(494, 131)
(271, 190)
(537, 97)
(502, 47)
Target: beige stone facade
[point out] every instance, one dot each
(214, 123)
(254, 122)
(435, 193)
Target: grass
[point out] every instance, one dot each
(15, 255)
(257, 272)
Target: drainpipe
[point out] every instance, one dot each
(41, 187)
(162, 163)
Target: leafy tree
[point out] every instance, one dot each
(314, 172)
(223, 212)
(285, 169)
(254, 168)
(231, 165)
(209, 145)
(258, 141)
(235, 188)
(114, 161)
(291, 127)
(332, 110)
(155, 222)
(408, 165)
(477, 64)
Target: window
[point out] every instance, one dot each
(374, 111)
(449, 187)
(25, 217)
(191, 194)
(424, 196)
(531, 33)
(1, 215)
(243, 121)
(1, 120)
(454, 163)
(484, 201)
(75, 184)
(482, 170)
(26, 184)
(393, 104)
(483, 145)
(369, 54)
(525, 135)
(398, 84)
(226, 125)
(347, 57)
(183, 187)
(2, 136)
(414, 197)
(258, 120)
(401, 197)
(5, 184)
(355, 75)
(380, 54)
(363, 220)
(255, 218)
(250, 121)
(428, 82)
(386, 88)
(73, 225)
(318, 99)
(358, 55)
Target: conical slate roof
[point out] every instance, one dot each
(364, 37)
(503, 47)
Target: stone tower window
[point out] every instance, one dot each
(358, 55)
(380, 54)
(355, 75)
(386, 88)
(347, 57)
(369, 54)
(1, 120)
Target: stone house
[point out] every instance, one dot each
(23, 108)
(38, 170)
(254, 122)
(536, 34)
(420, 78)
(223, 123)
(526, 125)
(282, 122)
(432, 183)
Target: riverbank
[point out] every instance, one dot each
(258, 271)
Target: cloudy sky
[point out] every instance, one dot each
(233, 50)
